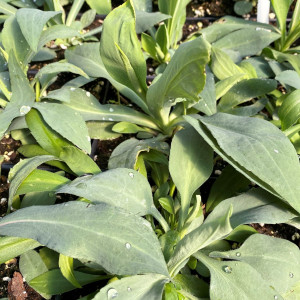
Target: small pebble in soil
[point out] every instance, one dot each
(3, 200)
(6, 279)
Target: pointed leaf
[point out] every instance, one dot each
(121, 242)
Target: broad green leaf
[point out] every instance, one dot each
(223, 86)
(261, 66)
(289, 111)
(40, 181)
(146, 20)
(71, 126)
(10, 112)
(91, 110)
(77, 161)
(236, 281)
(191, 164)
(124, 61)
(184, 77)
(87, 57)
(127, 127)
(102, 130)
(281, 9)
(293, 293)
(44, 54)
(66, 268)
(122, 243)
(6, 8)
(264, 154)
(11, 247)
(244, 91)
(58, 67)
(101, 7)
(277, 260)
(139, 287)
(223, 66)
(54, 283)
(18, 43)
(123, 188)
(142, 5)
(32, 22)
(290, 78)
(126, 154)
(22, 92)
(31, 265)
(38, 198)
(246, 42)
(21, 170)
(207, 103)
(87, 18)
(227, 185)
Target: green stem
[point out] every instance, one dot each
(76, 6)
(160, 219)
(37, 91)
(291, 131)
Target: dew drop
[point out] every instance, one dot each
(291, 275)
(72, 89)
(128, 246)
(238, 254)
(275, 297)
(129, 289)
(24, 110)
(110, 119)
(276, 151)
(111, 109)
(112, 294)
(66, 204)
(88, 138)
(131, 174)
(88, 94)
(227, 269)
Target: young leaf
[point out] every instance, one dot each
(290, 78)
(146, 20)
(101, 7)
(184, 77)
(66, 268)
(11, 247)
(264, 153)
(191, 163)
(289, 111)
(277, 260)
(123, 60)
(235, 280)
(122, 243)
(281, 9)
(139, 287)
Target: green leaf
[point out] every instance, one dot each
(139, 287)
(6, 8)
(227, 185)
(149, 45)
(276, 168)
(38, 198)
(87, 18)
(121, 242)
(124, 61)
(246, 42)
(244, 91)
(66, 268)
(87, 57)
(101, 7)
(21, 170)
(289, 111)
(11, 247)
(126, 154)
(44, 54)
(223, 66)
(123, 188)
(236, 281)
(290, 78)
(91, 110)
(32, 22)
(281, 9)
(102, 130)
(207, 103)
(223, 86)
(191, 163)
(184, 77)
(142, 5)
(277, 260)
(31, 265)
(71, 126)
(40, 181)
(146, 20)
(10, 112)
(242, 7)
(126, 127)
(54, 283)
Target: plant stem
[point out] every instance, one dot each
(76, 6)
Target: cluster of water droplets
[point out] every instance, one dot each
(113, 293)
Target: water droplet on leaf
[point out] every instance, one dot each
(227, 269)
(88, 94)
(131, 174)
(111, 109)
(238, 254)
(291, 275)
(276, 151)
(72, 89)
(128, 246)
(112, 294)
(129, 289)
(24, 110)
(275, 297)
